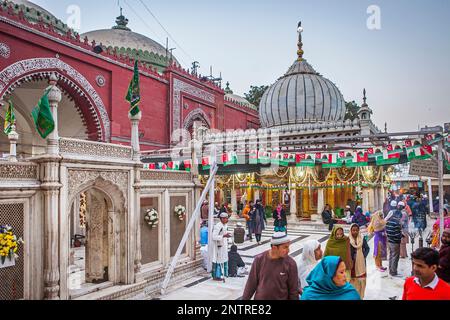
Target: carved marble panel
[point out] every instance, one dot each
(18, 171)
(95, 149)
(78, 178)
(163, 175)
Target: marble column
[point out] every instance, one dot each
(365, 200)
(234, 200)
(13, 136)
(50, 185)
(138, 217)
(371, 195)
(375, 199)
(135, 135)
(293, 204)
(257, 194)
(320, 200)
(54, 97)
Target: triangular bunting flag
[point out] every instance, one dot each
(187, 165)
(305, 160)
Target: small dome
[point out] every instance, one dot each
(229, 95)
(31, 5)
(302, 95)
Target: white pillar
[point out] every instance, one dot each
(257, 196)
(51, 186)
(234, 200)
(13, 136)
(371, 196)
(365, 200)
(430, 195)
(135, 135)
(375, 199)
(137, 224)
(293, 203)
(54, 97)
(320, 201)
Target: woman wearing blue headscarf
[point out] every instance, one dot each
(328, 281)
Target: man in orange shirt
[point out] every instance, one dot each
(425, 285)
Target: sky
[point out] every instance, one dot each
(401, 57)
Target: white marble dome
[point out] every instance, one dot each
(302, 95)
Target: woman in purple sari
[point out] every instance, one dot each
(377, 227)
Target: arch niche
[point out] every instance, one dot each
(97, 211)
(25, 81)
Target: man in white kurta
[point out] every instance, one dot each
(220, 237)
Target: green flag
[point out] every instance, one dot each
(43, 118)
(10, 118)
(134, 94)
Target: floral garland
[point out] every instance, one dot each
(8, 244)
(151, 217)
(180, 211)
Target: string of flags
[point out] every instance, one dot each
(388, 155)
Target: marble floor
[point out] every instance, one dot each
(380, 286)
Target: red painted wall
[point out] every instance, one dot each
(156, 100)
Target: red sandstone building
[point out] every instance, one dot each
(34, 44)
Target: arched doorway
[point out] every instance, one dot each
(73, 115)
(86, 102)
(97, 238)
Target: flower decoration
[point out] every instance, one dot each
(151, 217)
(180, 211)
(9, 244)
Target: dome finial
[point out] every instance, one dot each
(300, 51)
(121, 22)
(365, 98)
(227, 89)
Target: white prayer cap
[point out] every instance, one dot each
(239, 225)
(393, 203)
(223, 215)
(348, 207)
(279, 238)
(401, 203)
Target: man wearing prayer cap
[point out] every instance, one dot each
(220, 237)
(274, 274)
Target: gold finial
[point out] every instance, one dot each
(300, 51)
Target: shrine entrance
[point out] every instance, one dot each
(96, 240)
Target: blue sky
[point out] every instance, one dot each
(404, 66)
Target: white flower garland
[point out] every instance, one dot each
(180, 211)
(151, 217)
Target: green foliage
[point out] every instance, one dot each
(351, 110)
(255, 94)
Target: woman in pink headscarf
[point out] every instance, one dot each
(436, 243)
(279, 217)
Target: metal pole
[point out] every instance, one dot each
(213, 160)
(441, 185)
(192, 221)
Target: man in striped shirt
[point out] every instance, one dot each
(394, 235)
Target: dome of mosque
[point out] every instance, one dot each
(302, 95)
(131, 43)
(231, 96)
(34, 14)
(31, 5)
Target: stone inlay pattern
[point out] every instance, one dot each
(95, 149)
(5, 51)
(18, 171)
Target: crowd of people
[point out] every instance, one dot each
(339, 271)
